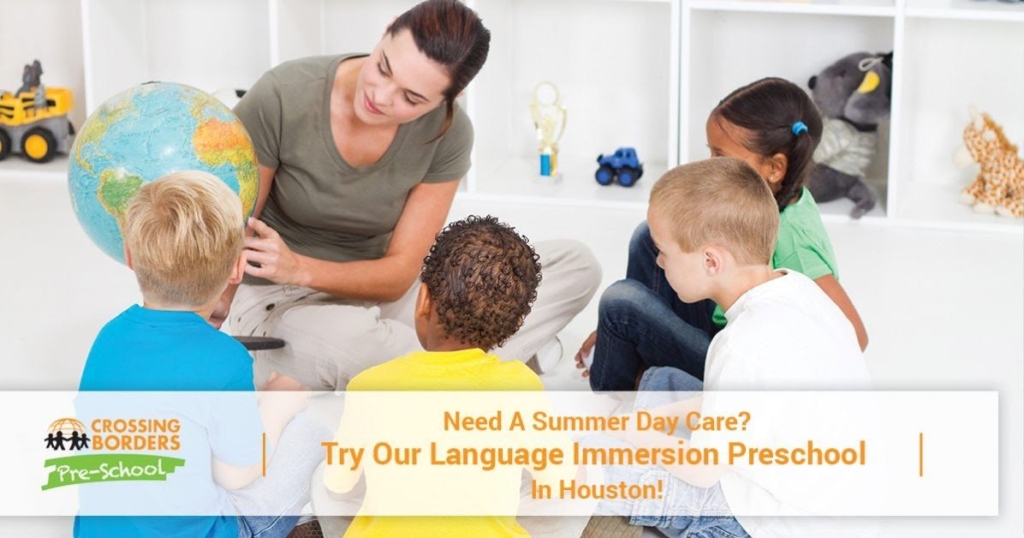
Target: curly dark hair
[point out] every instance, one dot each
(483, 278)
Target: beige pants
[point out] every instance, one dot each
(328, 340)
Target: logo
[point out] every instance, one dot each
(67, 430)
(103, 456)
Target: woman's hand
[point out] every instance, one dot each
(277, 262)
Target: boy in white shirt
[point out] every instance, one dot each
(714, 224)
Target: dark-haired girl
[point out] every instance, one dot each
(360, 158)
(774, 126)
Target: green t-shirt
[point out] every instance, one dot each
(802, 246)
(320, 205)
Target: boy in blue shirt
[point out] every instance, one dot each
(184, 239)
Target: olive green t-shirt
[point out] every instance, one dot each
(803, 244)
(320, 205)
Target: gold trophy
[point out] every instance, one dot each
(549, 121)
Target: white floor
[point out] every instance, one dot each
(944, 311)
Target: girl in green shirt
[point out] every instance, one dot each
(774, 126)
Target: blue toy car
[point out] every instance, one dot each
(622, 166)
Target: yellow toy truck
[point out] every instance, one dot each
(34, 120)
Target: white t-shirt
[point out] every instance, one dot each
(784, 335)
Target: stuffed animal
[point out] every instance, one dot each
(853, 97)
(999, 186)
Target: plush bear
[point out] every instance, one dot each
(853, 96)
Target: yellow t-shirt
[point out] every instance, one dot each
(469, 369)
(466, 370)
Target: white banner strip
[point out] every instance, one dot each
(464, 453)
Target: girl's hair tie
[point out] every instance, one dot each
(799, 127)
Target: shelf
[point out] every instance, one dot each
(863, 8)
(938, 206)
(356, 25)
(785, 50)
(966, 10)
(839, 210)
(516, 180)
(49, 31)
(943, 76)
(17, 168)
(476, 3)
(616, 91)
(641, 73)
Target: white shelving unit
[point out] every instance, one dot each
(209, 44)
(860, 8)
(16, 168)
(57, 47)
(952, 61)
(643, 73)
(612, 62)
(734, 43)
(947, 54)
(960, 10)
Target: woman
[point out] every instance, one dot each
(360, 158)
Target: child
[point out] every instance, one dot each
(714, 224)
(183, 238)
(478, 284)
(773, 126)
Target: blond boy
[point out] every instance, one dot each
(184, 240)
(183, 237)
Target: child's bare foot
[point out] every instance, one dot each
(280, 382)
(585, 356)
(286, 395)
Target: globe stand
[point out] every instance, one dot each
(259, 343)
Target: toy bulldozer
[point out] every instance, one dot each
(34, 121)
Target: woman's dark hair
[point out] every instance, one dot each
(768, 110)
(452, 35)
(483, 278)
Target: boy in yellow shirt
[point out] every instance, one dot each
(478, 284)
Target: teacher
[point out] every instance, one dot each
(360, 157)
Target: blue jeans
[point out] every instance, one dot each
(266, 526)
(642, 323)
(707, 514)
(278, 498)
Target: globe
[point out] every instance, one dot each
(143, 134)
(67, 426)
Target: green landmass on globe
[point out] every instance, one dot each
(115, 193)
(143, 134)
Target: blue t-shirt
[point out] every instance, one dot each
(159, 350)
